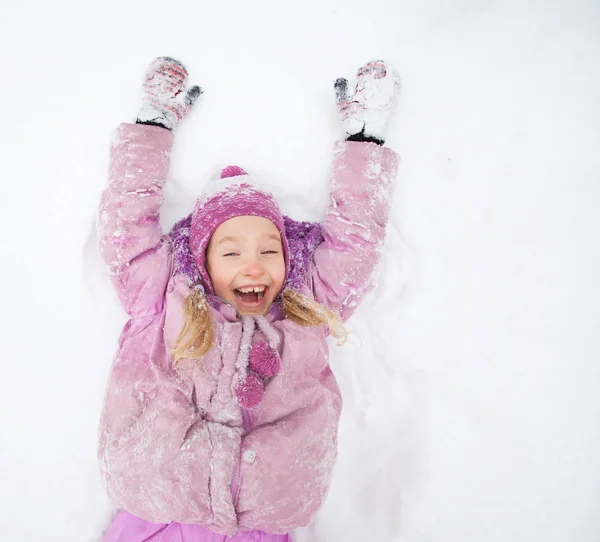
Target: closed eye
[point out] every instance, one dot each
(271, 252)
(230, 254)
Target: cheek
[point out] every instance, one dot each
(219, 275)
(218, 281)
(278, 273)
(221, 288)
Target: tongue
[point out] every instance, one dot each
(249, 297)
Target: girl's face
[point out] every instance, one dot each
(244, 260)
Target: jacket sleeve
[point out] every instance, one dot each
(361, 189)
(131, 241)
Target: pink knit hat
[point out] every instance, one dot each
(235, 196)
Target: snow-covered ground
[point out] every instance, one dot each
(471, 405)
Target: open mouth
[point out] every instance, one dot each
(250, 295)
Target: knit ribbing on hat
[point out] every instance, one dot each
(184, 263)
(303, 238)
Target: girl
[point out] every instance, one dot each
(221, 411)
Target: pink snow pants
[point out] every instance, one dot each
(129, 528)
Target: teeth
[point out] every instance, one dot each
(257, 289)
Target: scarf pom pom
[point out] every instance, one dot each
(264, 360)
(250, 391)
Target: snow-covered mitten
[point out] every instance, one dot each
(367, 112)
(166, 99)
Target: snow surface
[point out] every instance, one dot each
(471, 404)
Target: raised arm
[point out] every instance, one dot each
(362, 179)
(131, 241)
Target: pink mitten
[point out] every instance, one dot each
(367, 112)
(166, 99)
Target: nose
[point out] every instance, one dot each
(253, 268)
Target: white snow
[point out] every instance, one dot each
(472, 410)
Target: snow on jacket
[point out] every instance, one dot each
(174, 445)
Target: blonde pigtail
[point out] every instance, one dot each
(197, 336)
(305, 311)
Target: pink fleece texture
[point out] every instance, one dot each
(172, 441)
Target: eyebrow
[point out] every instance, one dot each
(234, 239)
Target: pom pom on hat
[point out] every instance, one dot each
(232, 171)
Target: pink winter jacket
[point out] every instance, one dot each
(174, 444)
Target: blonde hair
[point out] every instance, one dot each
(197, 335)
